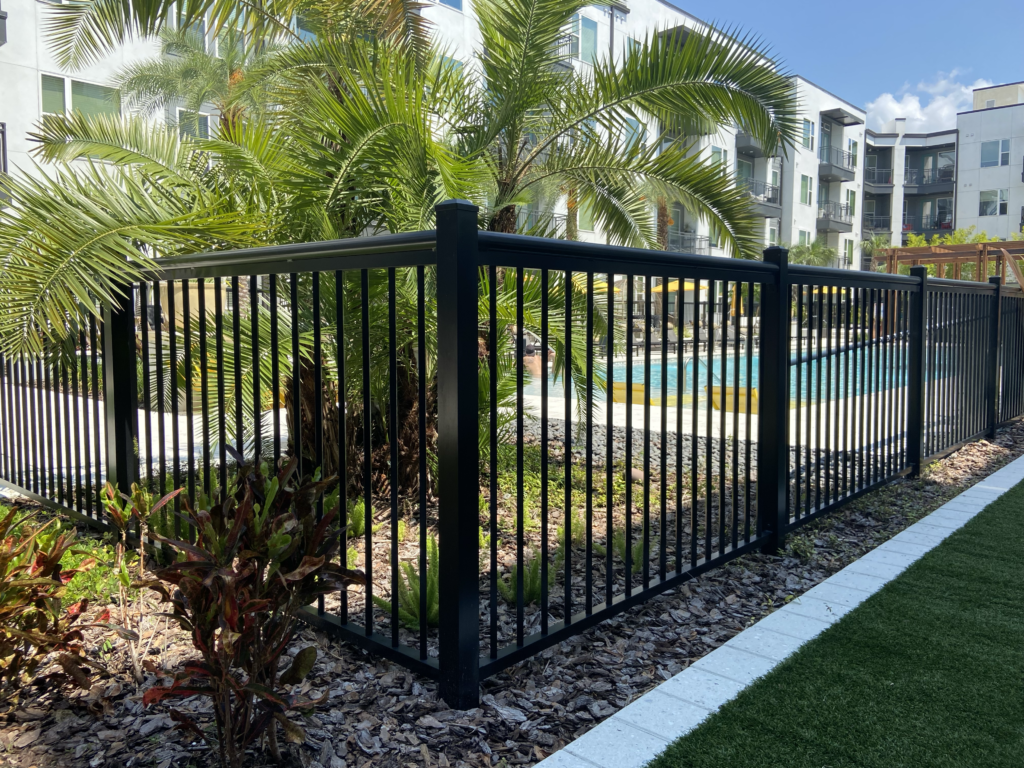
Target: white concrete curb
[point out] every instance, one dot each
(638, 733)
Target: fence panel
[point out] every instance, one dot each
(848, 388)
(628, 469)
(957, 328)
(530, 434)
(1011, 382)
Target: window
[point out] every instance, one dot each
(803, 237)
(849, 252)
(990, 103)
(635, 134)
(191, 124)
(53, 95)
(720, 157)
(775, 177)
(632, 45)
(582, 38)
(995, 153)
(773, 236)
(993, 202)
(852, 147)
(714, 236)
(808, 134)
(744, 169)
(944, 216)
(89, 99)
(806, 188)
(585, 217)
(851, 201)
(456, 4)
(447, 62)
(198, 26)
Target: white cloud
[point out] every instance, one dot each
(927, 106)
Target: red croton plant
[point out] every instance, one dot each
(33, 623)
(260, 554)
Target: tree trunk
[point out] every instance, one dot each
(572, 217)
(504, 220)
(663, 223)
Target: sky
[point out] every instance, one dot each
(895, 58)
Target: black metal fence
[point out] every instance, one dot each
(527, 453)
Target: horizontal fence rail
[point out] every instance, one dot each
(529, 435)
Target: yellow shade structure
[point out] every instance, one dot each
(826, 289)
(673, 285)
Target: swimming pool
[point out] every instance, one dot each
(825, 379)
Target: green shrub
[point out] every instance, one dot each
(32, 584)
(531, 580)
(579, 530)
(409, 591)
(636, 549)
(357, 519)
(260, 555)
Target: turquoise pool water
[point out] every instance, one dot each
(818, 379)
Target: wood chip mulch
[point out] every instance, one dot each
(378, 714)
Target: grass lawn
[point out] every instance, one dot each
(927, 673)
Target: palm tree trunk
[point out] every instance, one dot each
(572, 217)
(663, 223)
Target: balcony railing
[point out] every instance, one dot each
(927, 223)
(687, 242)
(878, 175)
(877, 222)
(928, 175)
(762, 191)
(564, 48)
(837, 156)
(835, 211)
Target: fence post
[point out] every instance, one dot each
(994, 339)
(773, 427)
(120, 391)
(916, 374)
(458, 454)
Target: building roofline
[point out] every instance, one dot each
(1001, 85)
(989, 109)
(687, 14)
(825, 90)
(875, 134)
(951, 131)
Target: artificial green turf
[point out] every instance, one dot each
(927, 673)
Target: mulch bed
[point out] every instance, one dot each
(378, 714)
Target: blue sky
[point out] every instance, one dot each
(896, 58)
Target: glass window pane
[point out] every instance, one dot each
(53, 94)
(988, 203)
(191, 125)
(91, 99)
(1004, 157)
(588, 40)
(989, 153)
(585, 217)
(456, 4)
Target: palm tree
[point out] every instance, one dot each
(191, 74)
(353, 144)
(816, 254)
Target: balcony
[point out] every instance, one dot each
(928, 225)
(878, 181)
(748, 145)
(877, 223)
(564, 52)
(688, 242)
(928, 181)
(834, 217)
(835, 164)
(765, 198)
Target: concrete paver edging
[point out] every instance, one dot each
(639, 732)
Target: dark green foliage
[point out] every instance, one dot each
(531, 580)
(409, 591)
(260, 555)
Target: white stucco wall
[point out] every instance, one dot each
(975, 128)
(26, 57)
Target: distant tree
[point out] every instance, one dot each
(817, 254)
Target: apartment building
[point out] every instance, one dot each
(814, 190)
(990, 161)
(909, 181)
